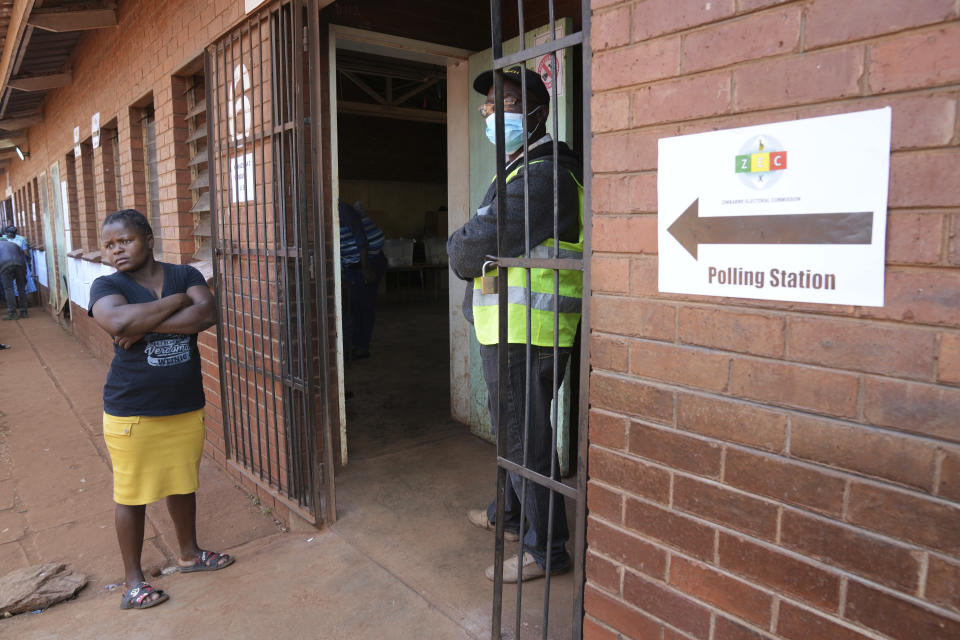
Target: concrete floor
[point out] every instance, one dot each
(401, 562)
(413, 471)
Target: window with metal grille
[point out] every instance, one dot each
(196, 118)
(151, 177)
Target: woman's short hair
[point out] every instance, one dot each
(131, 218)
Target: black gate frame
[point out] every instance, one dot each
(504, 465)
(286, 279)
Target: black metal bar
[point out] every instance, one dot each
(246, 301)
(329, 511)
(289, 318)
(279, 235)
(528, 376)
(554, 417)
(531, 53)
(539, 478)
(566, 264)
(226, 222)
(303, 334)
(496, 31)
(264, 140)
(209, 70)
(236, 265)
(258, 221)
(256, 354)
(580, 523)
(305, 298)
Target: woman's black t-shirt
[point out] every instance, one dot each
(159, 375)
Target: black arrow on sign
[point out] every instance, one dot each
(691, 230)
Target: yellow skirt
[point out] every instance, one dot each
(154, 456)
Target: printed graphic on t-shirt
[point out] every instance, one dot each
(167, 349)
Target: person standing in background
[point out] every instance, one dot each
(363, 263)
(10, 234)
(13, 270)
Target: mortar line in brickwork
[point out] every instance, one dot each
(787, 437)
(845, 509)
(944, 252)
(863, 82)
(956, 120)
(774, 613)
(712, 631)
(789, 413)
(778, 536)
(723, 462)
(716, 610)
(838, 618)
(938, 457)
(869, 533)
(922, 575)
(670, 489)
(802, 38)
(842, 604)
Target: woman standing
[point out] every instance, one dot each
(153, 399)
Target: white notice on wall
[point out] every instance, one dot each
(242, 185)
(792, 211)
(544, 64)
(66, 213)
(76, 141)
(95, 129)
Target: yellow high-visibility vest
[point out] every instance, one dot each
(543, 301)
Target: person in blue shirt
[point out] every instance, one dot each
(363, 263)
(13, 270)
(153, 400)
(10, 235)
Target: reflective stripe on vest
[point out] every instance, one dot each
(543, 302)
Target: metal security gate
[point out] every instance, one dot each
(265, 203)
(542, 56)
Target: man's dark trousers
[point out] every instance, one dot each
(9, 274)
(541, 450)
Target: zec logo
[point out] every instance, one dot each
(761, 162)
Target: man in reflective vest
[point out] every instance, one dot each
(468, 248)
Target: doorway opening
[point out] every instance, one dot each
(392, 175)
(416, 457)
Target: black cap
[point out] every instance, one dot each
(535, 86)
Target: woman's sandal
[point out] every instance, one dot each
(138, 597)
(208, 561)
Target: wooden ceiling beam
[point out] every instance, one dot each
(83, 20)
(384, 111)
(41, 83)
(12, 124)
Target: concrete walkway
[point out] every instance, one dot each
(55, 505)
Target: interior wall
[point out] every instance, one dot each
(399, 208)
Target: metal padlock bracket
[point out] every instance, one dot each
(488, 284)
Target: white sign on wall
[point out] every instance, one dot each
(242, 183)
(76, 141)
(66, 214)
(792, 211)
(95, 129)
(544, 64)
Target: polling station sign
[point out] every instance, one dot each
(793, 211)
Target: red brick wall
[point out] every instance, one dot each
(759, 469)
(114, 71)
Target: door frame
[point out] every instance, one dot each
(455, 60)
